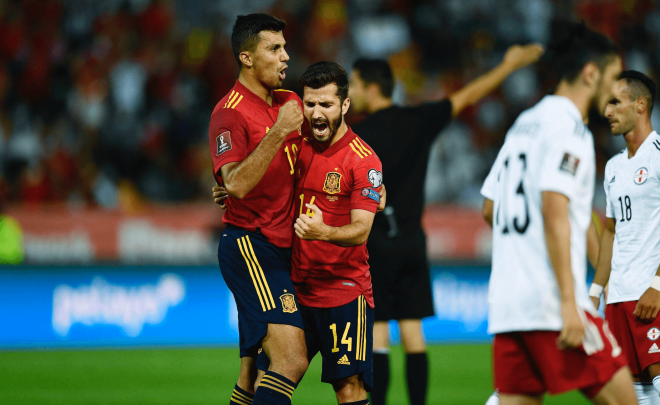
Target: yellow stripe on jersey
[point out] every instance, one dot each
(364, 148)
(286, 387)
(255, 277)
(229, 98)
(356, 151)
(254, 257)
(237, 101)
(288, 91)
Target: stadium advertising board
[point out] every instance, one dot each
(152, 306)
(187, 234)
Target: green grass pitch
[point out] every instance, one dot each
(460, 374)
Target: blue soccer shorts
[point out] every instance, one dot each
(343, 335)
(258, 275)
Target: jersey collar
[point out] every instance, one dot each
(643, 146)
(348, 136)
(568, 105)
(254, 99)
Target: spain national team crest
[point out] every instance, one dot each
(288, 303)
(641, 175)
(332, 183)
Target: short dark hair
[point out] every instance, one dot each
(245, 35)
(574, 45)
(640, 85)
(324, 73)
(376, 71)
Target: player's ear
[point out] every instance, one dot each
(590, 74)
(246, 58)
(345, 105)
(640, 106)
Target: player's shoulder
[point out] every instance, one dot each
(283, 96)
(656, 145)
(360, 151)
(558, 117)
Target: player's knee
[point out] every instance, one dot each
(349, 389)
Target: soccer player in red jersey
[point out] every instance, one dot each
(338, 179)
(254, 135)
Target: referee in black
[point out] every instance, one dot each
(402, 137)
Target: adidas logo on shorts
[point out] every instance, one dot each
(344, 359)
(654, 349)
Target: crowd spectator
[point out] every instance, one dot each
(106, 103)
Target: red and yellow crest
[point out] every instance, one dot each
(332, 183)
(288, 303)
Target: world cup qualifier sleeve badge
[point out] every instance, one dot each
(332, 183)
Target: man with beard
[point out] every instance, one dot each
(338, 179)
(548, 336)
(402, 137)
(254, 135)
(630, 247)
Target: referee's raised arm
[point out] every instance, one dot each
(516, 57)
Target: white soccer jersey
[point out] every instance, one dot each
(548, 149)
(489, 189)
(632, 187)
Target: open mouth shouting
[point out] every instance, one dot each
(283, 72)
(320, 128)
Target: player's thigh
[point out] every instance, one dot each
(412, 337)
(381, 335)
(284, 342)
(346, 341)
(257, 273)
(618, 391)
(507, 399)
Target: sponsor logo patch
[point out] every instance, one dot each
(332, 183)
(367, 192)
(654, 349)
(375, 177)
(569, 164)
(223, 142)
(344, 360)
(641, 175)
(653, 334)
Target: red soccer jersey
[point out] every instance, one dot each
(341, 178)
(239, 122)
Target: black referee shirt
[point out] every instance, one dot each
(402, 138)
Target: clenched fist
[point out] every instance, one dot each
(290, 117)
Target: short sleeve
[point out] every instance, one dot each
(609, 208)
(434, 117)
(564, 158)
(490, 184)
(367, 181)
(228, 136)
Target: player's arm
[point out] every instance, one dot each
(593, 243)
(353, 234)
(516, 57)
(241, 177)
(648, 306)
(383, 197)
(558, 241)
(604, 265)
(487, 211)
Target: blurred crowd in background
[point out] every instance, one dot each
(107, 102)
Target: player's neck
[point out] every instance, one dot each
(255, 86)
(578, 95)
(636, 137)
(379, 103)
(343, 129)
